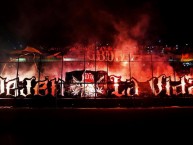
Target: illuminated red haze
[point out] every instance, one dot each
(121, 58)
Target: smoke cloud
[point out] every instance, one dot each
(58, 23)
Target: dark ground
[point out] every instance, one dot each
(158, 125)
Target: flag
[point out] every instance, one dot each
(31, 50)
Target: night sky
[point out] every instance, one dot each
(59, 23)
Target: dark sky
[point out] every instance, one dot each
(58, 23)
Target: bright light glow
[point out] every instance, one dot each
(125, 63)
